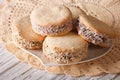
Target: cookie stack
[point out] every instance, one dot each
(63, 32)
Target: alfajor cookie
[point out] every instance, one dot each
(76, 11)
(95, 31)
(52, 20)
(24, 36)
(69, 48)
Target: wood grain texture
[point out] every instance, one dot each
(13, 69)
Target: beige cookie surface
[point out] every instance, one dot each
(24, 28)
(67, 41)
(76, 11)
(50, 15)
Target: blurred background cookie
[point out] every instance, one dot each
(76, 11)
(95, 31)
(51, 20)
(24, 36)
(65, 49)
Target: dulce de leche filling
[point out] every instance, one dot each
(44, 30)
(92, 36)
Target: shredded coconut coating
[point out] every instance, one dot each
(27, 44)
(46, 30)
(67, 57)
(92, 36)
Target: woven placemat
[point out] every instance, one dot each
(105, 10)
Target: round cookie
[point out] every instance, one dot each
(51, 20)
(76, 11)
(95, 31)
(24, 36)
(69, 48)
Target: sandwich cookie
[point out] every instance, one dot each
(95, 31)
(76, 11)
(69, 48)
(52, 20)
(24, 36)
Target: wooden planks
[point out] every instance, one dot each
(13, 69)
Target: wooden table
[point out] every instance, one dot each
(13, 69)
